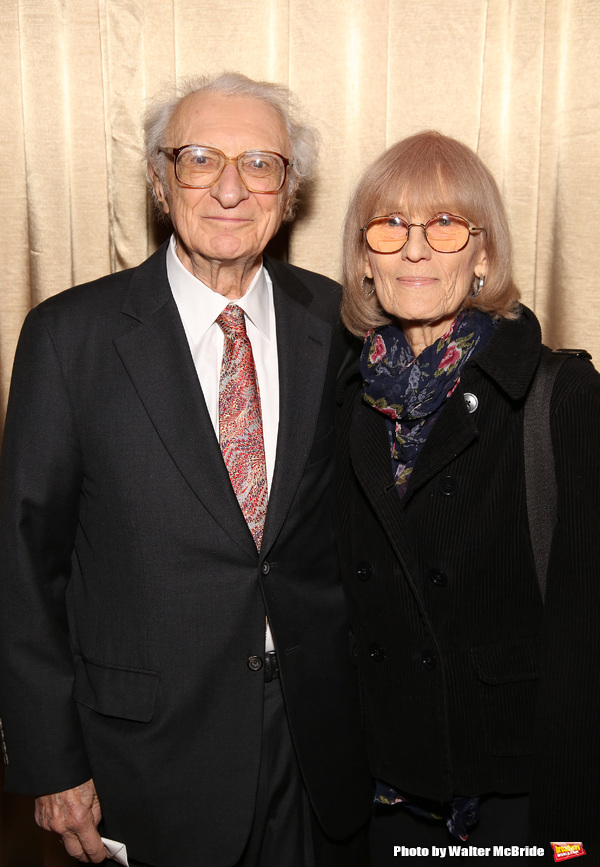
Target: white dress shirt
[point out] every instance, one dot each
(199, 308)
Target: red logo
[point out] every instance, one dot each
(564, 851)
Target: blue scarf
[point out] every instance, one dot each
(410, 391)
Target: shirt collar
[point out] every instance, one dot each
(199, 306)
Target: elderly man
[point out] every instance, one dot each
(175, 658)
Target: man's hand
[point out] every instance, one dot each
(74, 814)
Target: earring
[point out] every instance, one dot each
(362, 287)
(477, 286)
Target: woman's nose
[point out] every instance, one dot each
(416, 246)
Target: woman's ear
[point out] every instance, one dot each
(481, 263)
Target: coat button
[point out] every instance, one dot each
(438, 577)
(448, 486)
(265, 568)
(429, 660)
(364, 571)
(471, 401)
(255, 663)
(376, 653)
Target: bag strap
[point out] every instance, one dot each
(540, 474)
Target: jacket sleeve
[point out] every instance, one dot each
(566, 783)
(40, 482)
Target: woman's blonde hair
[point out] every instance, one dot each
(424, 174)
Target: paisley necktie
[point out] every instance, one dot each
(240, 421)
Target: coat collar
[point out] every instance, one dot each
(509, 360)
(149, 287)
(512, 355)
(156, 355)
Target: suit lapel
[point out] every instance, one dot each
(157, 358)
(303, 345)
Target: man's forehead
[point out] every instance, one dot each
(220, 119)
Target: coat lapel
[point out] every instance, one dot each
(303, 345)
(157, 358)
(370, 451)
(450, 435)
(370, 456)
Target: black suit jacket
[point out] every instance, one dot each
(133, 594)
(470, 684)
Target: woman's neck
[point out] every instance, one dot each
(420, 335)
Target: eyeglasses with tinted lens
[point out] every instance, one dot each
(200, 167)
(445, 233)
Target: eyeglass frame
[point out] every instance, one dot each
(409, 226)
(174, 152)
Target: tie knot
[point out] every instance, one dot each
(232, 321)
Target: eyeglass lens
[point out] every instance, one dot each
(445, 233)
(261, 172)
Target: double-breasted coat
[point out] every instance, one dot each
(470, 684)
(133, 597)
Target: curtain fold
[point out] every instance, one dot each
(517, 80)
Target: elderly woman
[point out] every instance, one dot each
(480, 699)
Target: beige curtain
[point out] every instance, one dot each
(518, 80)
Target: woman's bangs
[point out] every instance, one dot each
(425, 193)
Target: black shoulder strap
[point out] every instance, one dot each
(540, 476)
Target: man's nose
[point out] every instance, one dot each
(229, 189)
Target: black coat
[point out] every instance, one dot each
(132, 594)
(471, 685)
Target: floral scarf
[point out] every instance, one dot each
(411, 391)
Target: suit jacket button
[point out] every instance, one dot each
(429, 660)
(364, 571)
(255, 663)
(265, 568)
(448, 486)
(438, 577)
(376, 653)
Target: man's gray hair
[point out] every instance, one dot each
(304, 138)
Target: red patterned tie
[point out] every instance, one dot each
(240, 422)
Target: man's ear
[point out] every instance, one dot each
(159, 190)
(288, 203)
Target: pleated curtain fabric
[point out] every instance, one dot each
(516, 80)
